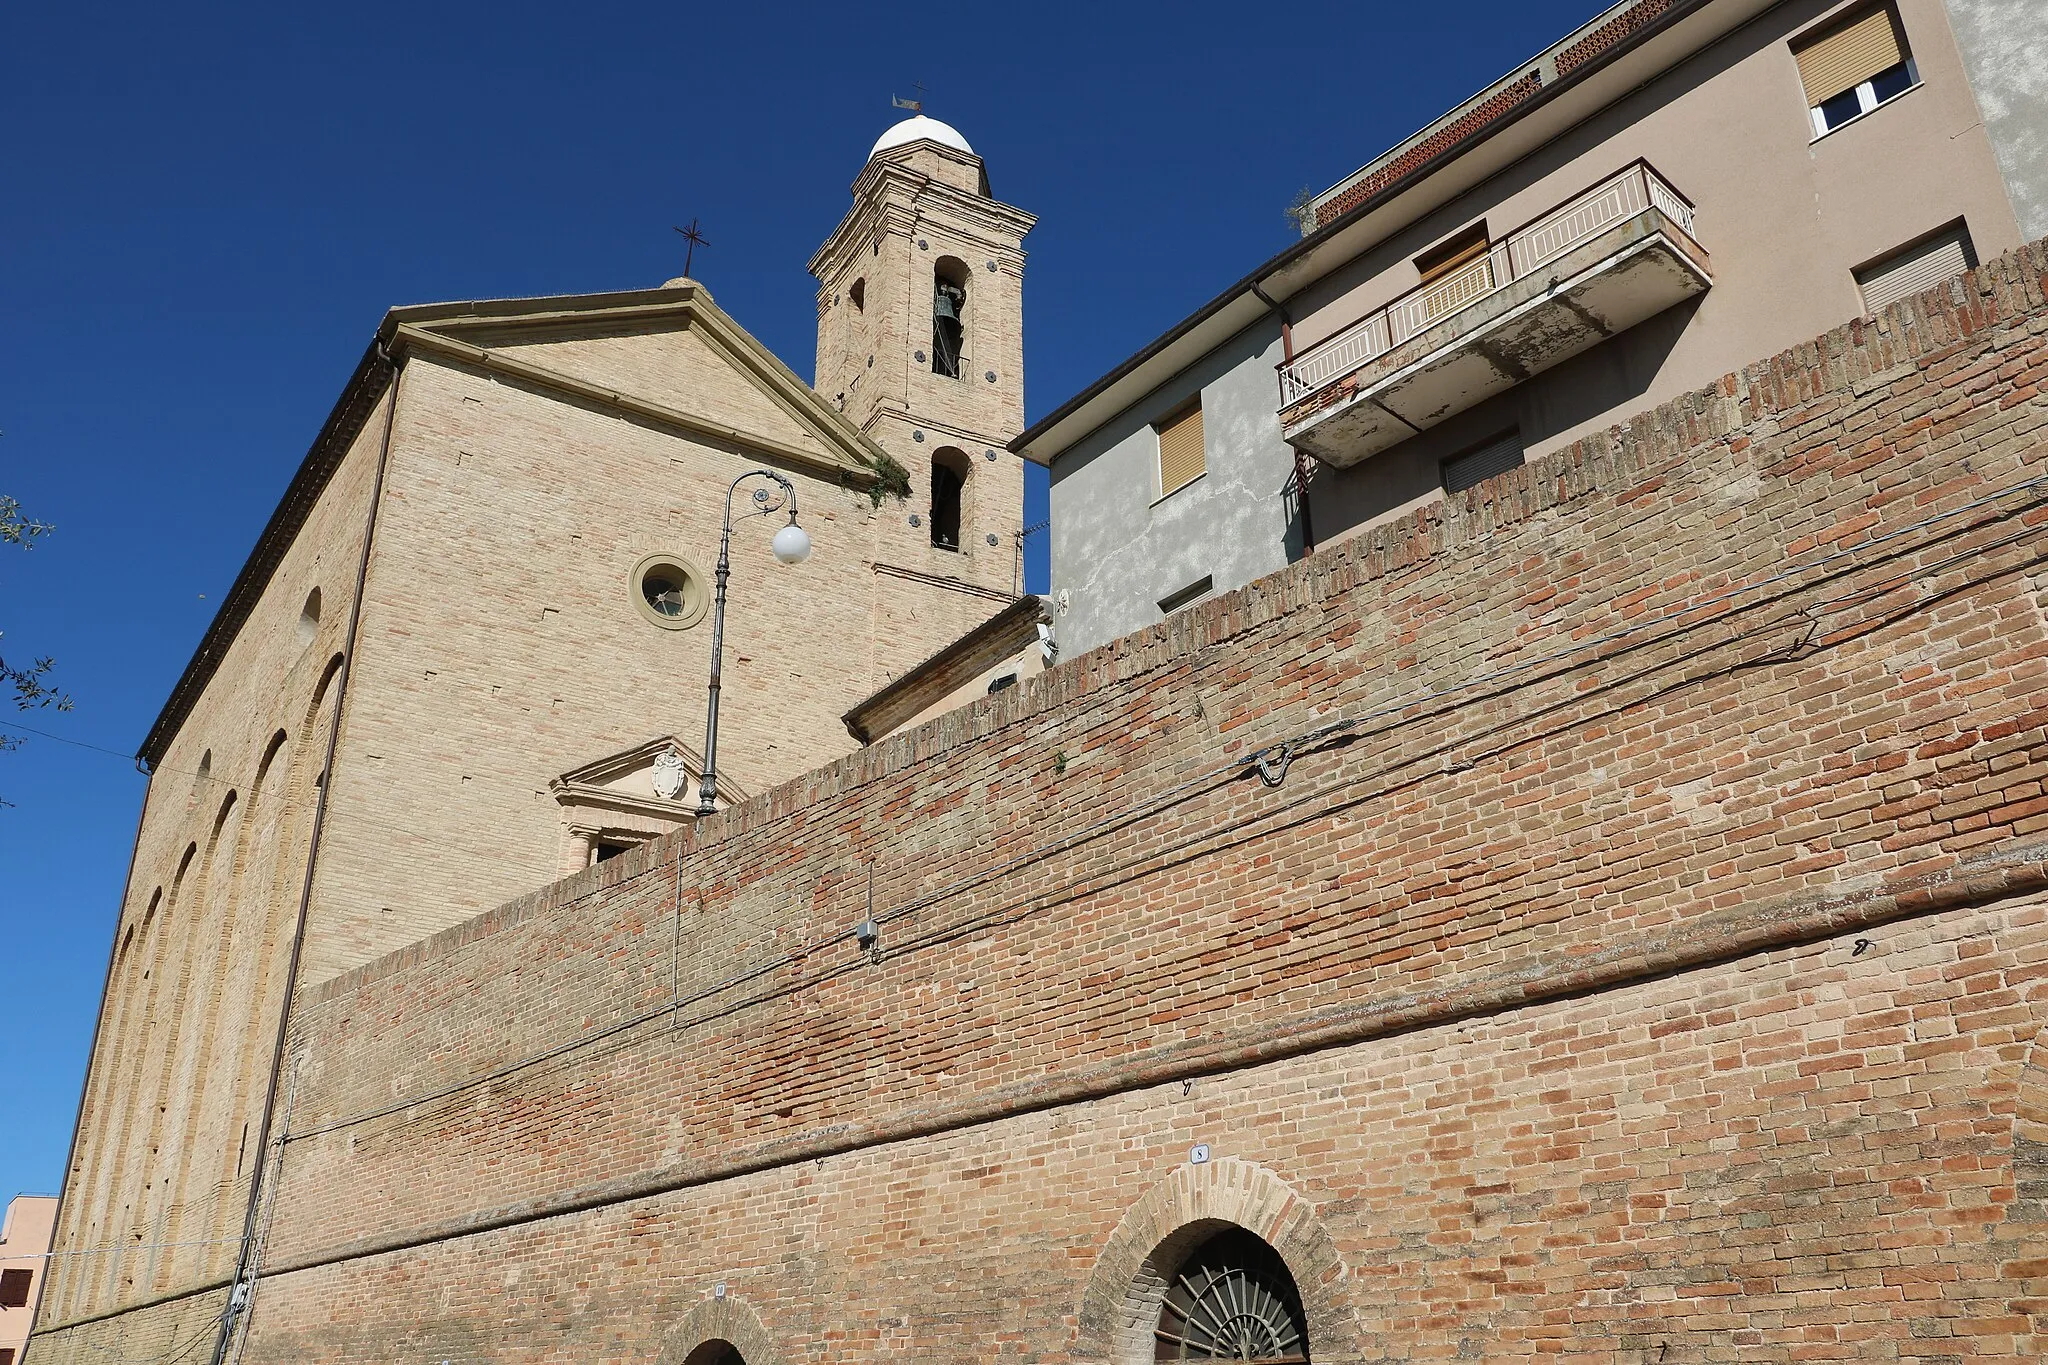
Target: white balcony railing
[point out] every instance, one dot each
(1633, 190)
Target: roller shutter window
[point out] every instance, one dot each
(1921, 266)
(1180, 449)
(1854, 67)
(1481, 463)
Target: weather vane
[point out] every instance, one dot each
(695, 239)
(915, 106)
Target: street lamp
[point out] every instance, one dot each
(792, 546)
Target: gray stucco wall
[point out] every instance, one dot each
(1118, 547)
(2005, 50)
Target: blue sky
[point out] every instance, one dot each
(204, 210)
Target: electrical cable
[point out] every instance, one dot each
(110, 1250)
(1234, 768)
(129, 759)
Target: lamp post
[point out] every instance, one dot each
(792, 546)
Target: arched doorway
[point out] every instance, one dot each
(715, 1352)
(1231, 1298)
(1204, 1232)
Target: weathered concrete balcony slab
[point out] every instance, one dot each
(1596, 266)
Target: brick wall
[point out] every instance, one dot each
(1639, 953)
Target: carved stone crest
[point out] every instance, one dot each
(669, 775)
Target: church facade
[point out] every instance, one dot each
(468, 654)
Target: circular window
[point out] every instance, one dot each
(670, 591)
(1232, 1299)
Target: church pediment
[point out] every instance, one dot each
(657, 779)
(669, 355)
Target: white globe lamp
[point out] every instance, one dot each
(791, 545)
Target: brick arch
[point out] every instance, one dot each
(726, 1319)
(2024, 1233)
(1120, 1304)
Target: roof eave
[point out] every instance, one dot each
(1025, 611)
(361, 394)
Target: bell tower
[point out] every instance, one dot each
(921, 344)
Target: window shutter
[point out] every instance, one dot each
(1946, 254)
(14, 1288)
(1849, 56)
(1461, 250)
(1474, 467)
(1180, 449)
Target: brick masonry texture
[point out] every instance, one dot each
(1637, 952)
(1632, 20)
(1434, 147)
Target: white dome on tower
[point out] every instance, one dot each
(919, 129)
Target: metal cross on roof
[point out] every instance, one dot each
(695, 239)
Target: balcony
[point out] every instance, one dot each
(1594, 266)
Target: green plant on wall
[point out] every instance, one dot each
(892, 479)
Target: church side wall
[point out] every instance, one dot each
(502, 647)
(1650, 966)
(192, 1004)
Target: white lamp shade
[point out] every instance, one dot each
(791, 544)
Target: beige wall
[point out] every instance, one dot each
(24, 1242)
(197, 982)
(1784, 218)
(501, 645)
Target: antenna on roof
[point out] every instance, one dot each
(915, 106)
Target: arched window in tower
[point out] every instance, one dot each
(949, 315)
(1232, 1299)
(950, 468)
(858, 292)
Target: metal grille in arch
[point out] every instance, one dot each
(1232, 1299)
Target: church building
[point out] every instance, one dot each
(468, 653)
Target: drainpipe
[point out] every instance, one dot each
(1301, 459)
(241, 1288)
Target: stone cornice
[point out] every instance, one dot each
(421, 341)
(887, 185)
(589, 798)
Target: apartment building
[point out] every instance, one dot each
(24, 1251)
(1668, 192)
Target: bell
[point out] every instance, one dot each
(944, 306)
